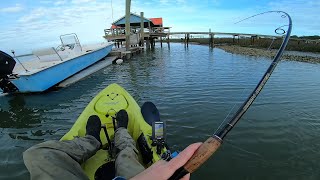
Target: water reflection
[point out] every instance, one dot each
(18, 115)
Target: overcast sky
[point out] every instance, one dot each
(30, 24)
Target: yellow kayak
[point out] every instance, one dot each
(105, 105)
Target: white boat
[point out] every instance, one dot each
(49, 66)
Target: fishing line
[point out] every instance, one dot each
(244, 150)
(278, 31)
(212, 144)
(234, 105)
(241, 95)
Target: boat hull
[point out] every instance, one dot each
(49, 77)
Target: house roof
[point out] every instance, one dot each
(114, 26)
(156, 21)
(133, 19)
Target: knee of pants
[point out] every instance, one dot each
(33, 154)
(39, 150)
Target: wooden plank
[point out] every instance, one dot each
(88, 71)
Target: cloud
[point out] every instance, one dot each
(42, 25)
(45, 21)
(164, 2)
(45, 2)
(34, 15)
(61, 2)
(81, 1)
(13, 9)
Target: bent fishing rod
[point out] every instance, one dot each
(212, 144)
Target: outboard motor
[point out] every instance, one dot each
(7, 64)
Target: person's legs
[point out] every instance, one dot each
(127, 164)
(62, 159)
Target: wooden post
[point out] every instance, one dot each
(149, 26)
(168, 41)
(161, 41)
(210, 36)
(188, 39)
(152, 43)
(212, 42)
(128, 4)
(252, 40)
(142, 29)
(148, 43)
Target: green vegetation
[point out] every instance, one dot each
(303, 43)
(315, 37)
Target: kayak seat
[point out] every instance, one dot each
(150, 113)
(106, 171)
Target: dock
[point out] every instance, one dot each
(144, 32)
(122, 53)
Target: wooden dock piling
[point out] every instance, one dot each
(168, 40)
(211, 41)
(148, 43)
(142, 29)
(152, 42)
(188, 38)
(128, 4)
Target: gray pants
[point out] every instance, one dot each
(62, 159)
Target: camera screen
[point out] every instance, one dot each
(158, 130)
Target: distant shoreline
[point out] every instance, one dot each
(297, 50)
(268, 53)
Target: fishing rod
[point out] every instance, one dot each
(212, 144)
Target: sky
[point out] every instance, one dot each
(30, 24)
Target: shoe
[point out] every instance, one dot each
(93, 127)
(122, 119)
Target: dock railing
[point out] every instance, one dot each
(119, 32)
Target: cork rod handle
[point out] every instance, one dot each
(199, 157)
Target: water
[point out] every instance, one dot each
(194, 89)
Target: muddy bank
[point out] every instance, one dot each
(266, 53)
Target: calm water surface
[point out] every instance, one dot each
(194, 89)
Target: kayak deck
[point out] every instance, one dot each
(105, 105)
